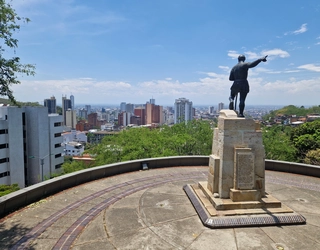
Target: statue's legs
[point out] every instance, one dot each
(243, 96)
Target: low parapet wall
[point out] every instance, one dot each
(28, 195)
(292, 167)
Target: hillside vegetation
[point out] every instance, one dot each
(293, 110)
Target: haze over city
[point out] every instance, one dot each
(107, 52)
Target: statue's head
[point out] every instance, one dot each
(241, 58)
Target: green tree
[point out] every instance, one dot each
(193, 138)
(277, 143)
(9, 23)
(306, 137)
(313, 157)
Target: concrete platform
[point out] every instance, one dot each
(150, 210)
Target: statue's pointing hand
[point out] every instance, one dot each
(264, 59)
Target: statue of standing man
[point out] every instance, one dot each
(238, 75)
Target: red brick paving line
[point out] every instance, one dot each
(65, 243)
(42, 226)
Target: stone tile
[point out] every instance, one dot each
(252, 238)
(215, 240)
(141, 239)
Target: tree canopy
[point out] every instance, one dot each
(305, 138)
(9, 68)
(193, 138)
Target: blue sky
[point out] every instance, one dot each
(112, 51)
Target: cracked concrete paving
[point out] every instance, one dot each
(155, 213)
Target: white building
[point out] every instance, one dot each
(30, 145)
(71, 118)
(73, 148)
(182, 110)
(75, 136)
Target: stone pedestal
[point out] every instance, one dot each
(236, 176)
(237, 160)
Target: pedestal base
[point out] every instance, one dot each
(239, 214)
(241, 199)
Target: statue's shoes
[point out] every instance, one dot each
(231, 107)
(240, 115)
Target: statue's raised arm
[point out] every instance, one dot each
(239, 74)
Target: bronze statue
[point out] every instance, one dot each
(238, 75)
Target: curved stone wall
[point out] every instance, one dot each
(26, 196)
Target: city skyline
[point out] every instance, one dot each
(109, 52)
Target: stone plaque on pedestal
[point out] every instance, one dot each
(244, 169)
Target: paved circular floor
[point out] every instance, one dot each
(149, 210)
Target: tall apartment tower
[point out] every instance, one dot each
(30, 145)
(152, 101)
(122, 107)
(211, 110)
(182, 110)
(51, 105)
(71, 118)
(88, 108)
(220, 106)
(72, 102)
(83, 113)
(154, 114)
(123, 119)
(66, 104)
(140, 111)
(129, 108)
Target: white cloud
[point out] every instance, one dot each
(275, 53)
(233, 54)
(302, 29)
(224, 68)
(310, 67)
(272, 53)
(252, 55)
(293, 86)
(211, 89)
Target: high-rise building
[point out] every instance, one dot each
(122, 107)
(83, 113)
(220, 106)
(211, 110)
(66, 104)
(88, 108)
(30, 145)
(154, 114)
(71, 118)
(72, 102)
(123, 119)
(152, 101)
(182, 110)
(140, 111)
(93, 120)
(51, 105)
(129, 108)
